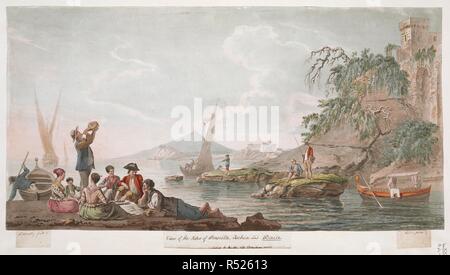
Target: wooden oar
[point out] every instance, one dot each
(373, 194)
(23, 163)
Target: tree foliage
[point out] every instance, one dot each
(412, 141)
(390, 48)
(350, 79)
(425, 56)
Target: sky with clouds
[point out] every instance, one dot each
(128, 67)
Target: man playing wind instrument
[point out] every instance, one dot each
(85, 155)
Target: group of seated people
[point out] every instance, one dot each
(112, 198)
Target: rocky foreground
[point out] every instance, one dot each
(276, 184)
(321, 186)
(33, 215)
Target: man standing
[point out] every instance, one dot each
(309, 160)
(85, 155)
(227, 162)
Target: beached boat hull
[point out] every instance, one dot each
(42, 193)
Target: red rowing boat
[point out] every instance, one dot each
(412, 191)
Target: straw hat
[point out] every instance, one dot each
(93, 125)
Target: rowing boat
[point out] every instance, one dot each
(413, 190)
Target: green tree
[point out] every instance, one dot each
(390, 48)
(350, 79)
(425, 57)
(412, 141)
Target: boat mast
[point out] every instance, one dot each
(66, 157)
(50, 158)
(204, 161)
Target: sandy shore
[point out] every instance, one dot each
(34, 215)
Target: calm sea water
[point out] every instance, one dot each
(349, 213)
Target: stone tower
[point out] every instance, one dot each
(425, 90)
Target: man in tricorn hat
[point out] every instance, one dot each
(131, 185)
(85, 155)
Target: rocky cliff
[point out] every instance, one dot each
(342, 152)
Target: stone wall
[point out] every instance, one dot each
(425, 90)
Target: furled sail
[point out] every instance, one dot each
(66, 157)
(50, 158)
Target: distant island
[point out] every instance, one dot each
(177, 150)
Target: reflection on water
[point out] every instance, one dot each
(349, 212)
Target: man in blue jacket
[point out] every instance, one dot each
(19, 183)
(85, 155)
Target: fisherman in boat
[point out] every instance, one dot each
(295, 170)
(19, 183)
(85, 155)
(190, 165)
(308, 160)
(110, 184)
(157, 203)
(393, 188)
(415, 180)
(130, 188)
(59, 202)
(72, 191)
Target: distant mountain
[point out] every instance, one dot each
(175, 150)
(194, 146)
(255, 155)
(162, 152)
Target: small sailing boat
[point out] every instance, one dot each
(412, 188)
(204, 161)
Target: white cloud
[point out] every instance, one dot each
(134, 73)
(14, 35)
(117, 109)
(260, 50)
(127, 46)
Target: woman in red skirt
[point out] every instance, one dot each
(58, 201)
